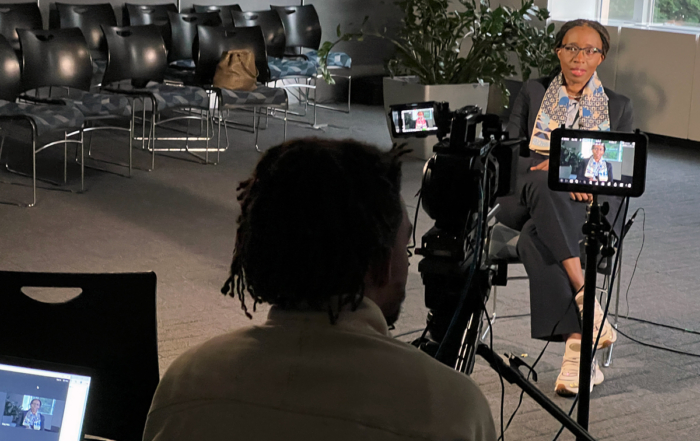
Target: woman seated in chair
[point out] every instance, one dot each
(597, 169)
(550, 222)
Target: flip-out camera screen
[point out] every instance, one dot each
(413, 119)
(598, 162)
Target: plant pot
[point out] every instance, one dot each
(404, 90)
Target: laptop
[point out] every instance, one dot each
(42, 401)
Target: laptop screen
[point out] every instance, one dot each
(42, 404)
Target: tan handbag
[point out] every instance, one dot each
(236, 71)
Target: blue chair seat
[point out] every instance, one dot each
(98, 105)
(46, 118)
(183, 64)
(171, 97)
(286, 67)
(335, 59)
(263, 96)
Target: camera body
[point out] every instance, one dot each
(461, 182)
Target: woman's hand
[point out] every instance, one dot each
(581, 197)
(544, 165)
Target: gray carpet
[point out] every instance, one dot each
(179, 221)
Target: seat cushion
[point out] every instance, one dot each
(335, 59)
(183, 64)
(170, 97)
(281, 68)
(98, 105)
(262, 96)
(46, 118)
(503, 244)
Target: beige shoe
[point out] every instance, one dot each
(567, 381)
(609, 334)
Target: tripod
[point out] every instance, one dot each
(458, 350)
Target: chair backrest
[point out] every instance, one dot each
(214, 41)
(223, 10)
(109, 328)
(136, 53)
(135, 15)
(302, 26)
(271, 25)
(18, 15)
(45, 55)
(184, 29)
(89, 18)
(10, 74)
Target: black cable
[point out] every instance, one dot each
(409, 332)
(662, 348)
(644, 221)
(662, 325)
(500, 375)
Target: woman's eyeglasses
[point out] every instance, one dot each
(572, 50)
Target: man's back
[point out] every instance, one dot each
(299, 377)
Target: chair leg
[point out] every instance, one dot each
(82, 159)
(256, 127)
(132, 126)
(607, 358)
(65, 157)
(285, 125)
(33, 167)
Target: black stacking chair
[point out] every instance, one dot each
(135, 15)
(213, 42)
(302, 29)
(296, 73)
(137, 56)
(42, 119)
(110, 328)
(223, 10)
(44, 57)
(15, 16)
(502, 252)
(88, 18)
(271, 25)
(184, 30)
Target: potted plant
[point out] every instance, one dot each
(456, 55)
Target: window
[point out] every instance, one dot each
(677, 13)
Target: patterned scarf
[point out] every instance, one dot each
(593, 111)
(30, 419)
(597, 170)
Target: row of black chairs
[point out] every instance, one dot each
(135, 73)
(288, 31)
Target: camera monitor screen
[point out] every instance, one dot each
(413, 119)
(596, 162)
(42, 401)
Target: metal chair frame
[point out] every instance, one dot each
(602, 293)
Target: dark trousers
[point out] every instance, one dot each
(550, 230)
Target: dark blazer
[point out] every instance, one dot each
(24, 413)
(527, 105)
(580, 173)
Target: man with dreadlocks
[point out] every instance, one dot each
(322, 237)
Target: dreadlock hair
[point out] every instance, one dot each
(569, 25)
(316, 215)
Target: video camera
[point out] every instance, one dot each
(460, 184)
